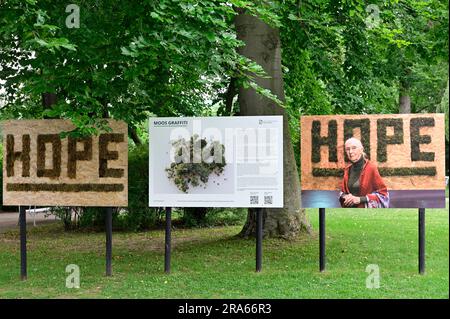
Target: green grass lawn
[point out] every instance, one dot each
(213, 263)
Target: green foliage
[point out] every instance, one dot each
(443, 108)
(86, 218)
(348, 57)
(363, 66)
(226, 216)
(202, 217)
(65, 215)
(194, 216)
(428, 87)
(414, 50)
(138, 215)
(93, 218)
(126, 60)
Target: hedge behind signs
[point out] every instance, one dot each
(40, 168)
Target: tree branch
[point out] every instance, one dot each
(229, 96)
(134, 136)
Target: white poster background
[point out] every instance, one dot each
(252, 176)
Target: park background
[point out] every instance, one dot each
(217, 58)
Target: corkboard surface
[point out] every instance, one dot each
(397, 159)
(64, 187)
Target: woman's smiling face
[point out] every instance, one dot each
(354, 149)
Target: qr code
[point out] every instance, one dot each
(268, 199)
(253, 200)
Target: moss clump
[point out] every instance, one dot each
(65, 188)
(105, 155)
(327, 172)
(12, 155)
(74, 155)
(195, 161)
(384, 171)
(417, 139)
(42, 140)
(383, 140)
(408, 171)
(318, 141)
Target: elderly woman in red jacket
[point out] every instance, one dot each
(362, 185)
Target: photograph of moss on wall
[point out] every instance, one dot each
(407, 150)
(195, 161)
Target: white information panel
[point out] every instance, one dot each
(216, 161)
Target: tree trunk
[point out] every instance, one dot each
(405, 100)
(134, 136)
(262, 45)
(229, 96)
(48, 99)
(404, 95)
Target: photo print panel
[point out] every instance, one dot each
(216, 161)
(41, 168)
(373, 161)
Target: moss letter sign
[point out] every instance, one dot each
(41, 168)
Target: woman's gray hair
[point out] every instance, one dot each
(358, 142)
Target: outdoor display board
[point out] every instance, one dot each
(41, 168)
(216, 162)
(407, 151)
